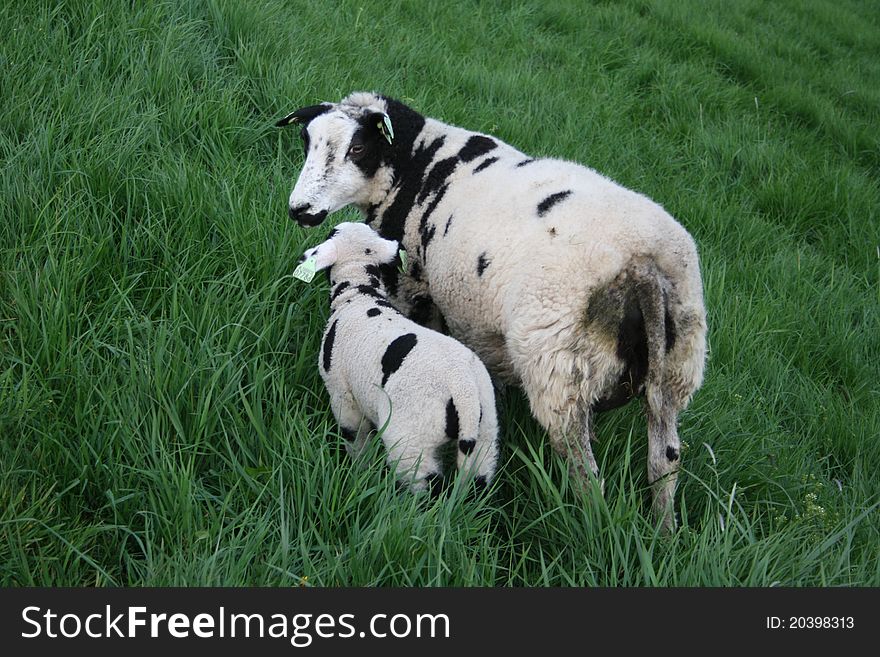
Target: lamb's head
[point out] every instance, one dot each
(347, 147)
(356, 254)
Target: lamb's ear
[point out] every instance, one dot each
(381, 122)
(325, 255)
(304, 115)
(314, 260)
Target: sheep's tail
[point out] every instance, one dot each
(652, 302)
(477, 436)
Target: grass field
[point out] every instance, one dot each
(162, 420)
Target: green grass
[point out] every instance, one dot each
(162, 420)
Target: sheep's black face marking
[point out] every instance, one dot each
(671, 453)
(524, 163)
(485, 164)
(452, 426)
(482, 263)
(327, 347)
(373, 312)
(545, 205)
(396, 352)
(367, 147)
(476, 146)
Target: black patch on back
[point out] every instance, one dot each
(393, 357)
(476, 146)
(485, 164)
(525, 162)
(327, 347)
(385, 304)
(448, 224)
(671, 453)
(370, 291)
(437, 177)
(545, 205)
(467, 446)
(339, 290)
(452, 426)
(482, 263)
(372, 312)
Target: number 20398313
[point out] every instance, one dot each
(810, 623)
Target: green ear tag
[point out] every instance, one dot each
(403, 258)
(386, 129)
(305, 271)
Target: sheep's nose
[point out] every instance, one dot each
(303, 218)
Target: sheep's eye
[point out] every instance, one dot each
(356, 151)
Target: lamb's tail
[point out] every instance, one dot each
(472, 422)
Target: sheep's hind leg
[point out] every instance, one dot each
(664, 453)
(583, 461)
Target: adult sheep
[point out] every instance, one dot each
(582, 291)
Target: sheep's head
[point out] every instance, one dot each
(347, 149)
(355, 247)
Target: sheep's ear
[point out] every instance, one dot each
(382, 122)
(304, 115)
(314, 260)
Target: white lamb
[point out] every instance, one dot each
(584, 292)
(383, 370)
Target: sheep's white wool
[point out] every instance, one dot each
(384, 370)
(584, 292)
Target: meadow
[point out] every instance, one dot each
(162, 420)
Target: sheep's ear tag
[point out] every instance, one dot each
(403, 258)
(385, 128)
(305, 271)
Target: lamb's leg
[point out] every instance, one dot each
(664, 454)
(353, 425)
(415, 461)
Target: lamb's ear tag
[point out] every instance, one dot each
(403, 258)
(385, 128)
(305, 271)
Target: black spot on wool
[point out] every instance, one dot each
(396, 352)
(448, 224)
(524, 163)
(475, 147)
(389, 274)
(452, 426)
(482, 263)
(485, 164)
(671, 453)
(437, 177)
(545, 205)
(370, 291)
(372, 312)
(467, 446)
(327, 347)
(339, 290)
(373, 271)
(426, 232)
